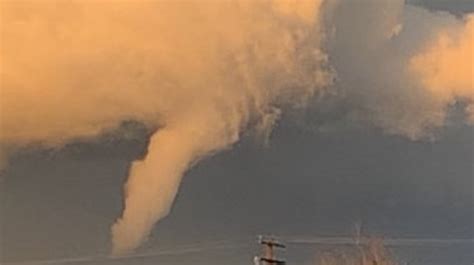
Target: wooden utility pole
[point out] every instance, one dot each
(268, 257)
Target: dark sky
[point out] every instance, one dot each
(458, 7)
(61, 203)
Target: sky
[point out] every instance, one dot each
(356, 158)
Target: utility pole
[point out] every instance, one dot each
(268, 257)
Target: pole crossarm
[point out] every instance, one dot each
(268, 257)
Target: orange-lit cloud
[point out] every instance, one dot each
(197, 72)
(446, 66)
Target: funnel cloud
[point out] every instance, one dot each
(201, 74)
